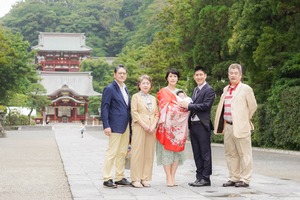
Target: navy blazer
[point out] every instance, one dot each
(202, 104)
(114, 111)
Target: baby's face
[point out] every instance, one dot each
(181, 95)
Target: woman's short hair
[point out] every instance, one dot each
(141, 78)
(172, 71)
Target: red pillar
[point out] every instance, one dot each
(86, 109)
(55, 114)
(75, 113)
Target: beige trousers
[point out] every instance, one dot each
(142, 155)
(115, 155)
(238, 155)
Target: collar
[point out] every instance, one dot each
(232, 88)
(122, 87)
(143, 94)
(201, 86)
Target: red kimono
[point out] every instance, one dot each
(172, 129)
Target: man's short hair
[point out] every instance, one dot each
(118, 67)
(235, 66)
(198, 67)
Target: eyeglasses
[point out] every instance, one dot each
(233, 73)
(122, 73)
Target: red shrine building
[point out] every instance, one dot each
(58, 58)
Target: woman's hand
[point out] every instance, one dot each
(146, 128)
(152, 128)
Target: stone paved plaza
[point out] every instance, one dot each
(55, 163)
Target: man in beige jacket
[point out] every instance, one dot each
(235, 110)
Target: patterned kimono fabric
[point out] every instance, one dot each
(172, 130)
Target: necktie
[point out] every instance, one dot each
(195, 93)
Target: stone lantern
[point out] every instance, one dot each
(2, 121)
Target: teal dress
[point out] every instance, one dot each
(166, 157)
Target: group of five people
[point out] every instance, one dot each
(163, 123)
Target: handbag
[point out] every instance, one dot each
(127, 158)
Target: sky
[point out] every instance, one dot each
(5, 6)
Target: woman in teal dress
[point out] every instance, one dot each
(172, 129)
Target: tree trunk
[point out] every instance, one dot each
(29, 116)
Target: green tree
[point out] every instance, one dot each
(15, 71)
(36, 98)
(102, 76)
(142, 25)
(131, 56)
(101, 71)
(94, 17)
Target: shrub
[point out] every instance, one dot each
(15, 118)
(286, 121)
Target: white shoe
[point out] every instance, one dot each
(136, 184)
(146, 183)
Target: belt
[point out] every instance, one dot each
(195, 122)
(227, 122)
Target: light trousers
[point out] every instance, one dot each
(115, 155)
(142, 155)
(238, 155)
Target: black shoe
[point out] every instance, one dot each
(123, 181)
(241, 184)
(229, 183)
(201, 183)
(109, 184)
(192, 183)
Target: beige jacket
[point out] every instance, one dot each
(139, 111)
(243, 106)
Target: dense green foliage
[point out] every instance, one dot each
(102, 21)
(14, 119)
(15, 72)
(102, 74)
(150, 36)
(36, 98)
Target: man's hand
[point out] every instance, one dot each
(107, 131)
(183, 104)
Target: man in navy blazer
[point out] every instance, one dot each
(200, 126)
(115, 114)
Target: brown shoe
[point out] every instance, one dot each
(241, 184)
(229, 183)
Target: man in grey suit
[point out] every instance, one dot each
(200, 126)
(235, 110)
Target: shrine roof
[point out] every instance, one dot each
(80, 82)
(51, 41)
